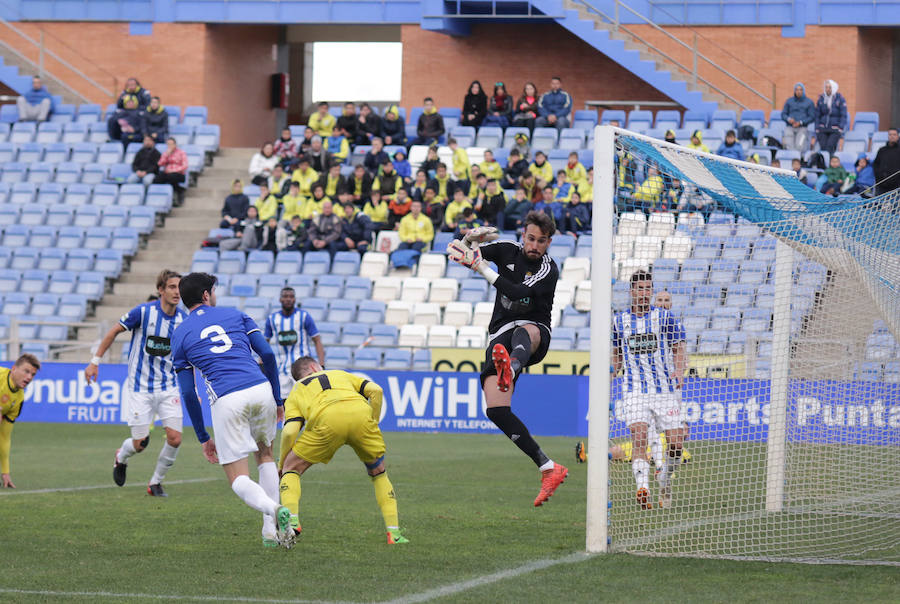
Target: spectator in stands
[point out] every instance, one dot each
(234, 210)
(416, 230)
(308, 134)
(126, 124)
(291, 235)
(672, 196)
(173, 171)
(522, 145)
(836, 175)
(261, 164)
(285, 147)
(266, 204)
(554, 106)
(529, 183)
(321, 121)
(357, 233)
(319, 159)
(142, 95)
(694, 201)
(36, 104)
(378, 211)
(474, 106)
(576, 216)
(156, 120)
(467, 221)
(454, 210)
(417, 188)
(575, 172)
(376, 157)
(247, 233)
(332, 182)
(865, 178)
(490, 166)
(887, 164)
(368, 125)
(315, 203)
(586, 187)
(541, 168)
(325, 230)
(648, 194)
(670, 137)
(545, 203)
(731, 147)
(517, 209)
(697, 142)
(360, 185)
(516, 167)
(831, 117)
(434, 208)
(430, 128)
(799, 170)
(562, 189)
(304, 175)
(441, 183)
(526, 110)
(431, 161)
(279, 182)
(269, 241)
(293, 203)
(402, 166)
(145, 164)
(499, 107)
(388, 182)
(477, 187)
(798, 112)
(399, 207)
(490, 207)
(393, 127)
(338, 145)
(459, 161)
(348, 122)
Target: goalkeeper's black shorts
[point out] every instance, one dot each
(505, 338)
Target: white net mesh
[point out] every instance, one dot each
(707, 229)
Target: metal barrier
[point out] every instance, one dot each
(14, 342)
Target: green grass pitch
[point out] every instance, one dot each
(465, 502)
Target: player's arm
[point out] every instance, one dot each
(313, 332)
(293, 423)
(6, 427)
(191, 402)
(371, 391)
(270, 366)
(90, 372)
(679, 357)
(616, 360)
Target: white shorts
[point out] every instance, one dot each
(241, 419)
(664, 408)
(144, 406)
(287, 384)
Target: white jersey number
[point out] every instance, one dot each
(215, 333)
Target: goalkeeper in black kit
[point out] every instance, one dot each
(520, 326)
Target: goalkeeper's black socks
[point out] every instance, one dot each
(512, 426)
(521, 350)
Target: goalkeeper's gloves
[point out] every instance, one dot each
(471, 258)
(480, 235)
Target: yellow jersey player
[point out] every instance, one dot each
(337, 408)
(13, 382)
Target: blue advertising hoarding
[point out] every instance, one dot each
(551, 405)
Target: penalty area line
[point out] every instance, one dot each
(455, 588)
(132, 596)
(10, 492)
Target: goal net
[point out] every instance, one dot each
(790, 304)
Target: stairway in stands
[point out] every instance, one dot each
(171, 246)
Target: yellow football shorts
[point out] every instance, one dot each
(344, 423)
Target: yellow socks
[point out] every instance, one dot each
(384, 495)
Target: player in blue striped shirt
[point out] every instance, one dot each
(244, 401)
(295, 332)
(150, 389)
(651, 388)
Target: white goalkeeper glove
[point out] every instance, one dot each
(471, 258)
(480, 235)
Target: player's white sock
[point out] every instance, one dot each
(549, 465)
(125, 451)
(254, 495)
(640, 468)
(656, 451)
(164, 462)
(268, 480)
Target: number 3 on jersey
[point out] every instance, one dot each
(216, 334)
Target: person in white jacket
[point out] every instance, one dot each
(262, 163)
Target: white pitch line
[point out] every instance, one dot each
(455, 588)
(9, 492)
(172, 597)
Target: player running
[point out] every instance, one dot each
(218, 342)
(520, 326)
(338, 409)
(651, 388)
(150, 388)
(13, 382)
(293, 329)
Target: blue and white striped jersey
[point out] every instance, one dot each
(150, 358)
(293, 337)
(644, 343)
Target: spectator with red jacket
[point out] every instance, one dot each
(286, 147)
(526, 109)
(173, 169)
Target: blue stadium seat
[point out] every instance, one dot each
(707, 296)
(664, 269)
(667, 119)
(141, 218)
(464, 135)
(34, 281)
(94, 173)
(195, 115)
(16, 235)
(113, 216)
(346, 263)
(242, 285)
(78, 259)
(91, 284)
(330, 333)
(8, 152)
(126, 239)
(68, 173)
(72, 307)
(43, 236)
(9, 113)
(369, 357)
(16, 304)
(571, 139)
(613, 114)
(316, 307)
(422, 360)
(174, 112)
(489, 137)
(694, 120)
(62, 282)
(473, 290)
(84, 152)
(340, 357)
(288, 262)
(119, 173)
(205, 261)
(52, 259)
(694, 270)
(358, 288)
(231, 262)
(584, 119)
(88, 112)
(707, 248)
(330, 286)
(45, 305)
(50, 193)
(354, 334)
(14, 172)
(59, 215)
(97, 238)
(712, 342)
(756, 320)
(159, 197)
(342, 311)
(397, 359)
(865, 121)
(740, 295)
(723, 119)
(109, 262)
(90, 215)
(30, 153)
(371, 311)
(723, 272)
(23, 193)
(9, 213)
(764, 249)
(639, 120)
(260, 262)
(32, 215)
(74, 132)
(24, 258)
(208, 137)
(575, 319)
(230, 301)
(270, 286)
(22, 132)
(725, 318)
(316, 263)
(856, 141)
(544, 139)
(303, 285)
(257, 308)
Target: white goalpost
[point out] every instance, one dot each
(790, 304)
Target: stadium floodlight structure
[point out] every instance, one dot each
(791, 305)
